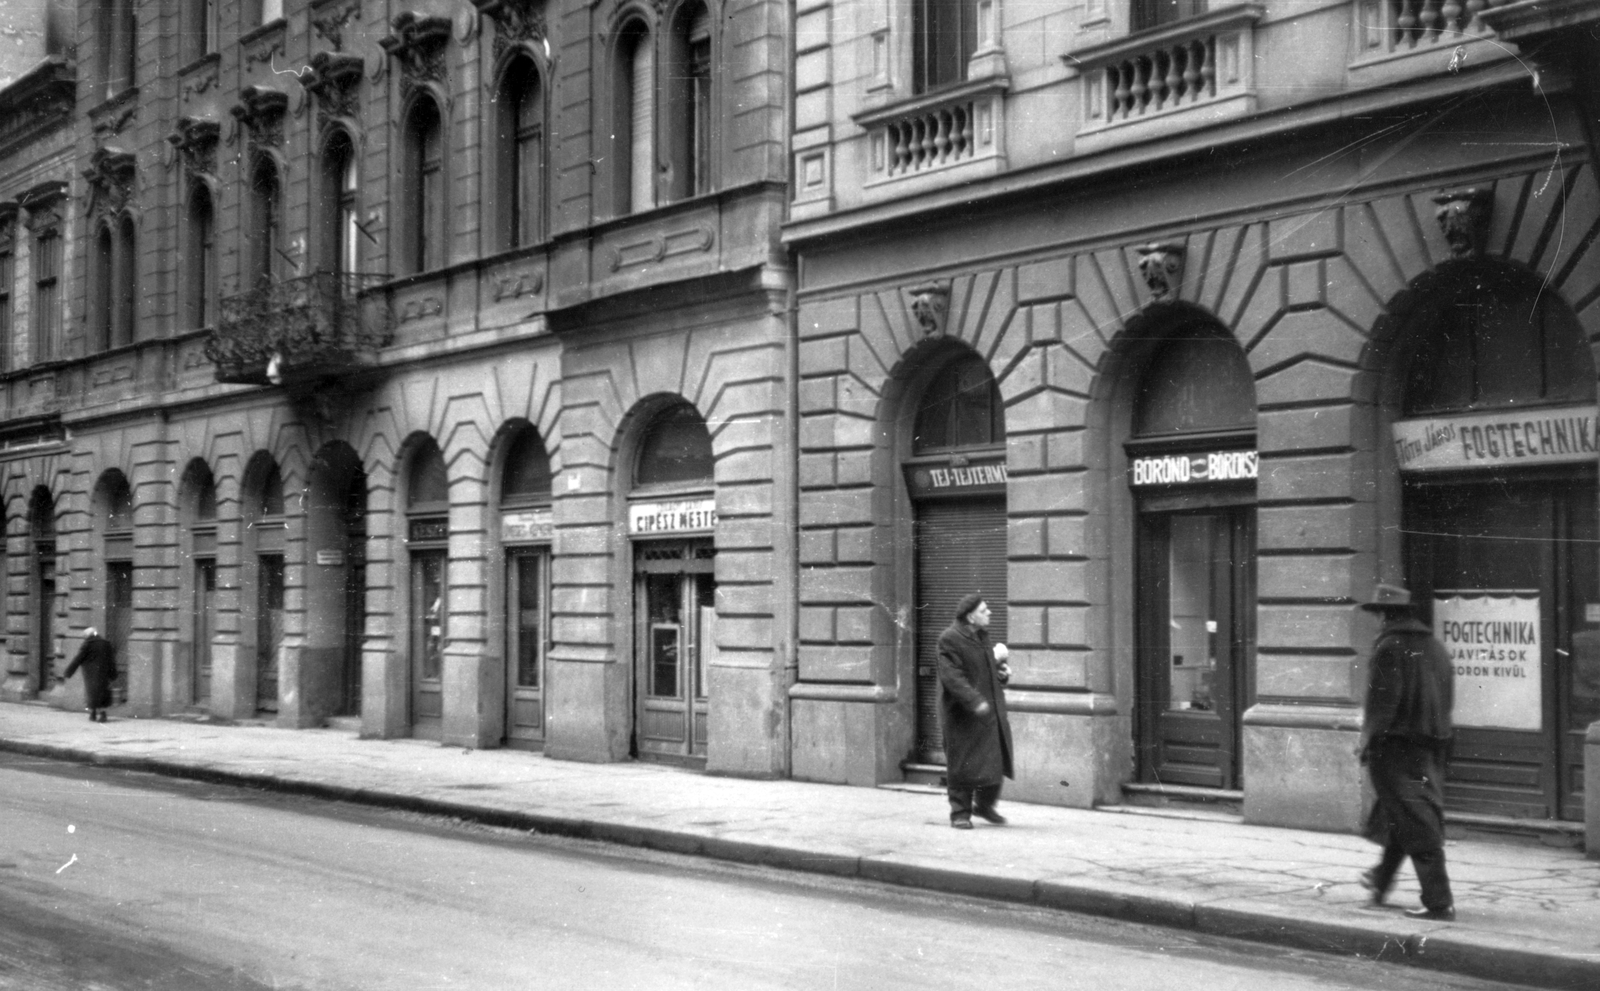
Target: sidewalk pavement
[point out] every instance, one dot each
(1527, 913)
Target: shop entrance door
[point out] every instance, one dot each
(675, 607)
(205, 604)
(1533, 540)
(44, 627)
(119, 621)
(428, 617)
(1196, 602)
(526, 624)
(269, 629)
(960, 549)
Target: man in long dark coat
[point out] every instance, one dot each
(977, 734)
(1405, 738)
(98, 658)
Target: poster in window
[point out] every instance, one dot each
(1494, 643)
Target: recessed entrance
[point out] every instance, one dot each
(526, 530)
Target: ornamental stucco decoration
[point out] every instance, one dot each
(330, 23)
(930, 305)
(333, 78)
(1464, 216)
(261, 109)
(195, 139)
(111, 174)
(1161, 265)
(515, 21)
(418, 44)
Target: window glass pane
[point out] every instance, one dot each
(529, 619)
(428, 482)
(1198, 618)
(1198, 383)
(664, 608)
(642, 160)
(428, 579)
(961, 407)
(527, 471)
(676, 449)
(272, 494)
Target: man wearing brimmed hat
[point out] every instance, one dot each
(1405, 735)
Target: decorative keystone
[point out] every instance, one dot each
(1162, 268)
(1464, 216)
(930, 304)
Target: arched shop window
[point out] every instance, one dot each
(672, 520)
(1497, 447)
(1192, 471)
(960, 408)
(427, 544)
(526, 530)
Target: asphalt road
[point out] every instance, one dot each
(112, 880)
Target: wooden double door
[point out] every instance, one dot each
(674, 641)
(1534, 541)
(1196, 643)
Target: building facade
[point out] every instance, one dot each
(1174, 328)
(420, 365)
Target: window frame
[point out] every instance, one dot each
(266, 221)
(8, 278)
(425, 178)
(949, 48)
(339, 203)
(689, 97)
(635, 36)
(520, 131)
(45, 260)
(117, 27)
(199, 257)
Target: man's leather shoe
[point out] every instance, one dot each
(990, 815)
(1371, 885)
(960, 823)
(1446, 914)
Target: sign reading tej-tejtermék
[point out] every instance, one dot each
(1557, 435)
(1493, 640)
(672, 517)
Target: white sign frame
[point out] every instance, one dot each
(1495, 642)
(649, 519)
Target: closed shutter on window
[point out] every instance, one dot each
(960, 548)
(642, 137)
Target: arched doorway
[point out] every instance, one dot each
(113, 503)
(265, 528)
(956, 477)
(42, 586)
(1497, 448)
(526, 528)
(428, 548)
(1192, 473)
(199, 514)
(672, 518)
(336, 586)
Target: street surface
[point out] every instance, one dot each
(111, 881)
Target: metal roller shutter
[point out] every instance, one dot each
(960, 548)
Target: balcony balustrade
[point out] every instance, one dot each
(1397, 26)
(936, 133)
(301, 329)
(1191, 72)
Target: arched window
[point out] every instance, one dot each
(338, 239)
(688, 103)
(521, 156)
(1495, 337)
(199, 30)
(1198, 383)
(266, 195)
(676, 450)
(125, 284)
(425, 189)
(100, 289)
(633, 120)
(960, 408)
(117, 26)
(527, 473)
(198, 283)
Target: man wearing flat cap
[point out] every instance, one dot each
(1405, 737)
(972, 709)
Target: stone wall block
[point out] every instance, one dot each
(827, 356)
(1310, 576)
(836, 663)
(1082, 334)
(1068, 626)
(1050, 279)
(1024, 623)
(855, 545)
(851, 585)
(1308, 380)
(1301, 627)
(1032, 667)
(1067, 371)
(854, 467)
(1025, 537)
(745, 566)
(1346, 527)
(1309, 676)
(817, 624)
(744, 633)
(1054, 493)
(855, 624)
(1315, 428)
(1045, 581)
(1305, 235)
(1046, 410)
(1308, 334)
(837, 507)
(751, 499)
(1317, 476)
(817, 395)
(1367, 249)
(816, 547)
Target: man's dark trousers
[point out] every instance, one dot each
(964, 800)
(1410, 814)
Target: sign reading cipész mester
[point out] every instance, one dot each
(1192, 469)
(1493, 642)
(686, 516)
(1556, 435)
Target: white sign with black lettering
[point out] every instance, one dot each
(672, 517)
(1493, 640)
(1194, 469)
(1559, 435)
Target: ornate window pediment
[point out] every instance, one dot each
(43, 204)
(195, 139)
(330, 22)
(333, 78)
(417, 43)
(111, 174)
(261, 110)
(515, 21)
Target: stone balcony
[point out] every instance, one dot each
(302, 330)
(1397, 40)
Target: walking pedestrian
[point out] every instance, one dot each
(977, 734)
(1405, 738)
(98, 658)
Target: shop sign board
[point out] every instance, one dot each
(1194, 469)
(983, 478)
(1493, 641)
(685, 516)
(1558, 435)
(536, 524)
